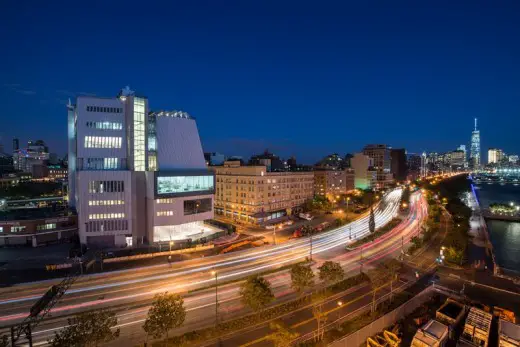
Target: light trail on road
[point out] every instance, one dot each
(129, 290)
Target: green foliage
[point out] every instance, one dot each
(200, 336)
(371, 221)
(331, 272)
(256, 293)
(319, 203)
(307, 230)
(379, 232)
(302, 277)
(167, 312)
(87, 329)
(281, 337)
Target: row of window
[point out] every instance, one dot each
(48, 226)
(104, 109)
(103, 142)
(164, 201)
(106, 186)
(105, 125)
(107, 225)
(105, 202)
(102, 164)
(164, 213)
(106, 215)
(15, 229)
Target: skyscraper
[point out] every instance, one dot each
(475, 148)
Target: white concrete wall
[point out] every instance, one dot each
(178, 144)
(84, 210)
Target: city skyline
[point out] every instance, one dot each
(258, 78)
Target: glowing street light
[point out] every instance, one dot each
(340, 303)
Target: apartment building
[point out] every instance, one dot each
(330, 183)
(380, 154)
(253, 195)
(134, 175)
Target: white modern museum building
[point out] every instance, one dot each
(136, 177)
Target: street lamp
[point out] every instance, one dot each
(348, 199)
(171, 244)
(215, 274)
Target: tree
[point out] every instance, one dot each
(256, 293)
(307, 229)
(331, 272)
(281, 337)
(302, 277)
(167, 312)
(392, 267)
(372, 221)
(87, 329)
(377, 280)
(4, 341)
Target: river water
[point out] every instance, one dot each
(505, 236)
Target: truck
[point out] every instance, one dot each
(477, 327)
(306, 216)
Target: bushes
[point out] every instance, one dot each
(203, 335)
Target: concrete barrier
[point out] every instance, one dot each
(158, 254)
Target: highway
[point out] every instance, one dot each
(129, 292)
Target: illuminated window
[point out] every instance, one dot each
(48, 226)
(164, 213)
(184, 184)
(139, 135)
(102, 142)
(15, 229)
(106, 215)
(105, 125)
(106, 187)
(164, 201)
(105, 202)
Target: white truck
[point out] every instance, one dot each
(306, 216)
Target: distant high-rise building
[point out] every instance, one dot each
(331, 161)
(495, 155)
(380, 154)
(291, 163)
(424, 169)
(513, 159)
(16, 144)
(463, 148)
(214, 158)
(36, 153)
(456, 160)
(270, 160)
(365, 176)
(398, 165)
(475, 148)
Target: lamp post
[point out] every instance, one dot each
(348, 199)
(171, 244)
(310, 250)
(350, 230)
(215, 274)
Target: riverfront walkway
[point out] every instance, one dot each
(481, 249)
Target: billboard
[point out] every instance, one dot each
(184, 183)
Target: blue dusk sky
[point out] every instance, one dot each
(303, 78)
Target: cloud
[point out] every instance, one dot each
(16, 87)
(73, 94)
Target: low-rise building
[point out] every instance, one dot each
(253, 195)
(36, 227)
(58, 173)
